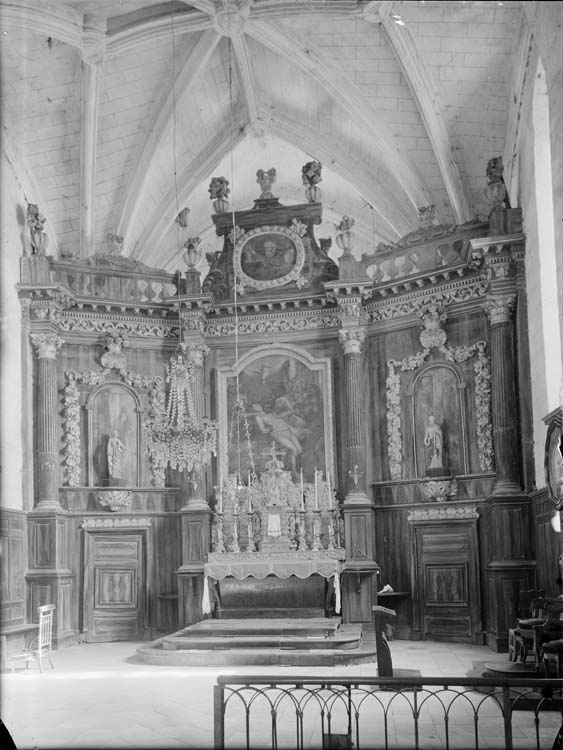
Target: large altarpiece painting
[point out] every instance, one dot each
(284, 412)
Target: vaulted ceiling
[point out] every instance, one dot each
(117, 113)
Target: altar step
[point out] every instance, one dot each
(284, 642)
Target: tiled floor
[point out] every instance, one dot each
(100, 696)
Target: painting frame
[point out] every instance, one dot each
(276, 265)
(318, 371)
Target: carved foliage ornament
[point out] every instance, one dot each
(71, 418)
(352, 341)
(500, 308)
(47, 345)
(482, 402)
(443, 512)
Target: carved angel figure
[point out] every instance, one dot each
(35, 222)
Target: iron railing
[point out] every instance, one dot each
(371, 712)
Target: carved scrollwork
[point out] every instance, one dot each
(482, 370)
(71, 421)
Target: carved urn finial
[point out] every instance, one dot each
(266, 180)
(344, 234)
(311, 176)
(219, 192)
(37, 236)
(193, 253)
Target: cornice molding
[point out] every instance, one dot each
(401, 305)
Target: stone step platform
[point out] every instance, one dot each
(280, 641)
(263, 626)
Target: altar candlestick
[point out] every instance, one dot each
(302, 495)
(316, 492)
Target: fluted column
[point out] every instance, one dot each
(352, 342)
(47, 443)
(500, 308)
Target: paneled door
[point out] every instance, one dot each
(446, 581)
(115, 596)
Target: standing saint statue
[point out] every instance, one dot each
(433, 440)
(115, 449)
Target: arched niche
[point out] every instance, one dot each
(438, 390)
(114, 406)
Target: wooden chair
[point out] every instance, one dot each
(40, 646)
(548, 637)
(521, 638)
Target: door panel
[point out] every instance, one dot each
(447, 579)
(114, 592)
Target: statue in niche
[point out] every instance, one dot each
(114, 451)
(433, 440)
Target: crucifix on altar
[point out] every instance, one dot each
(274, 466)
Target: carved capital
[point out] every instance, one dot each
(47, 345)
(195, 352)
(500, 308)
(352, 341)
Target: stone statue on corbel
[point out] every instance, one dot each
(34, 266)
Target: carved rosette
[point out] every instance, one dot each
(500, 308)
(352, 341)
(46, 345)
(482, 402)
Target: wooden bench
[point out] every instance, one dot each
(23, 632)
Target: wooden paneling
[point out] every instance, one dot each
(548, 544)
(12, 590)
(446, 580)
